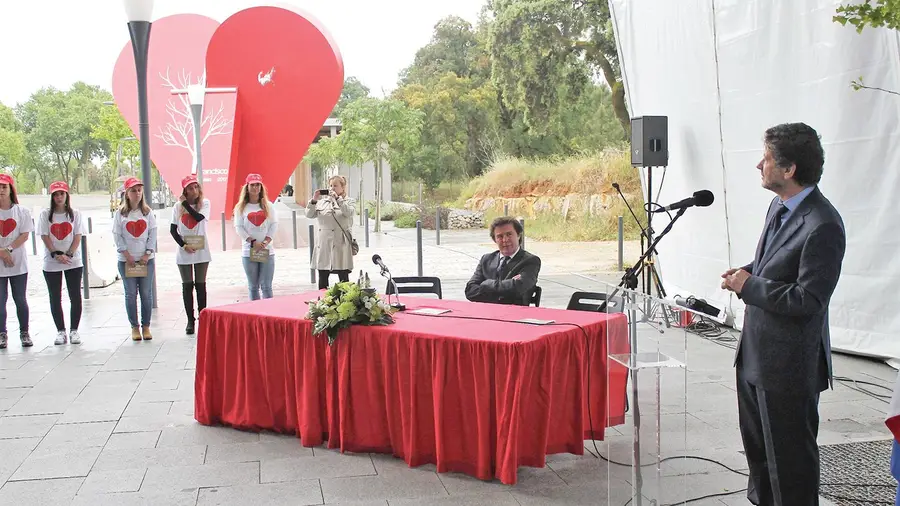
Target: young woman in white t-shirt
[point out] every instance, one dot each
(189, 219)
(255, 221)
(134, 230)
(60, 227)
(15, 224)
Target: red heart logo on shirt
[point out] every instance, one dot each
(7, 226)
(188, 220)
(61, 230)
(136, 227)
(257, 218)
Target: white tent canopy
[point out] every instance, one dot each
(725, 70)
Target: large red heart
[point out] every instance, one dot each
(7, 226)
(257, 217)
(61, 230)
(136, 227)
(289, 76)
(188, 220)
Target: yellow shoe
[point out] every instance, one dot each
(146, 332)
(135, 334)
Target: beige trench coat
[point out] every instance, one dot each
(332, 250)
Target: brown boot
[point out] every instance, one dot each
(135, 334)
(146, 332)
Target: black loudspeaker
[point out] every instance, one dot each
(650, 141)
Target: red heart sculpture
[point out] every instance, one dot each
(136, 227)
(7, 226)
(289, 76)
(61, 230)
(188, 221)
(257, 217)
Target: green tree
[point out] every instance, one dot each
(353, 90)
(58, 124)
(543, 53)
(378, 130)
(12, 140)
(118, 140)
(884, 13)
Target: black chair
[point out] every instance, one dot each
(593, 301)
(535, 297)
(415, 284)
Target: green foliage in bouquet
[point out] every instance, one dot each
(346, 304)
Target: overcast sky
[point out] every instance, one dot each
(59, 42)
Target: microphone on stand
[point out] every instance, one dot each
(701, 198)
(376, 259)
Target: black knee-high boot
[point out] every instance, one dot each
(187, 293)
(201, 297)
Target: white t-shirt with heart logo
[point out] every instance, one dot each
(187, 225)
(134, 232)
(254, 223)
(14, 222)
(62, 232)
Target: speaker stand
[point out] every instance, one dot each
(650, 278)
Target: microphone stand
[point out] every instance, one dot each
(630, 280)
(396, 305)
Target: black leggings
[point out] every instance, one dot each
(54, 287)
(323, 277)
(19, 284)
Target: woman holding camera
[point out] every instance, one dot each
(188, 228)
(61, 228)
(134, 231)
(333, 210)
(255, 221)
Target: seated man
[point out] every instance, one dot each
(506, 276)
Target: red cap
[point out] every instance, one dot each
(253, 178)
(132, 182)
(7, 179)
(58, 186)
(188, 180)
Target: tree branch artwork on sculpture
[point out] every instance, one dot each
(180, 130)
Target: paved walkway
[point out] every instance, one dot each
(110, 421)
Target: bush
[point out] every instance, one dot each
(406, 219)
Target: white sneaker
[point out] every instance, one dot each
(74, 338)
(60, 337)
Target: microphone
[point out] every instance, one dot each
(376, 259)
(698, 305)
(701, 198)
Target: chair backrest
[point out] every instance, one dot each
(535, 296)
(592, 301)
(415, 284)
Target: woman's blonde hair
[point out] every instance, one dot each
(199, 203)
(245, 199)
(342, 179)
(125, 208)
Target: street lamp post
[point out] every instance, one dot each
(139, 13)
(196, 95)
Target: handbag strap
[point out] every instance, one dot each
(349, 238)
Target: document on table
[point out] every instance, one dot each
(430, 311)
(535, 321)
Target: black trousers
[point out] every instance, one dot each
(779, 431)
(18, 284)
(323, 277)
(54, 288)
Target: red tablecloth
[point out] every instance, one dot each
(473, 396)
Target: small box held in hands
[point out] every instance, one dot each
(138, 271)
(259, 255)
(197, 242)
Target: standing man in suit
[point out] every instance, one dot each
(508, 275)
(783, 357)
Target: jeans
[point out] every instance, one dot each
(54, 288)
(18, 284)
(259, 277)
(144, 286)
(343, 276)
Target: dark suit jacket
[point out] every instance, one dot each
(785, 344)
(484, 286)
